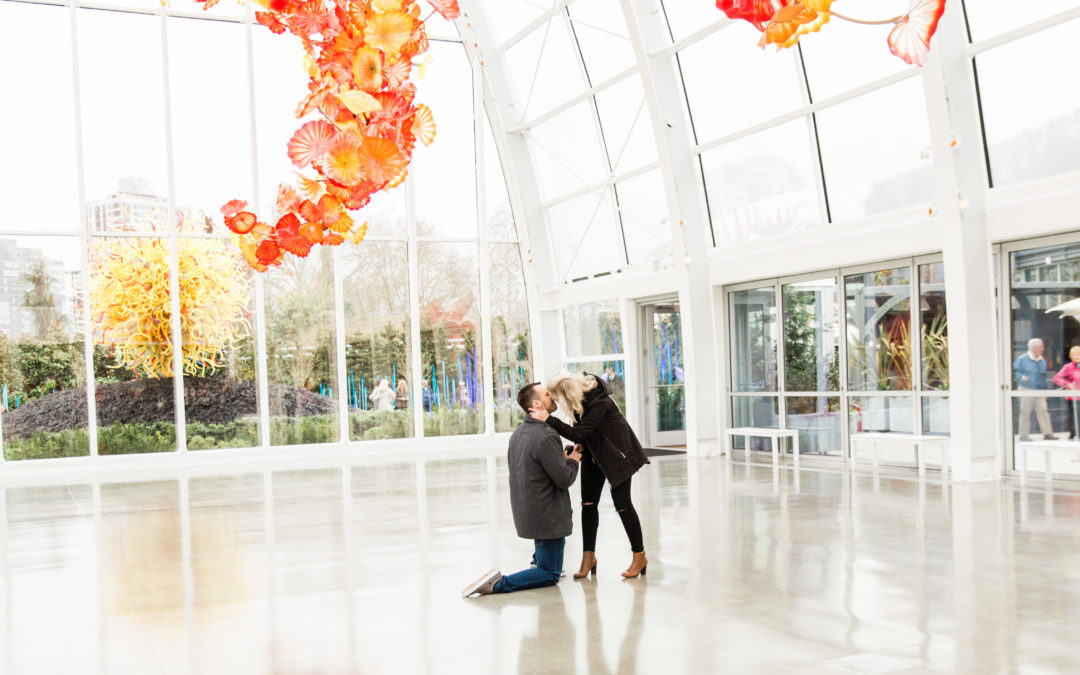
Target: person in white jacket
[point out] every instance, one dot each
(382, 397)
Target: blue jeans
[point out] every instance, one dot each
(548, 558)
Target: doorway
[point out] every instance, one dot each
(662, 366)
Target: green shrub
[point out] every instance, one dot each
(452, 422)
(240, 433)
(378, 424)
(136, 437)
(48, 444)
(303, 430)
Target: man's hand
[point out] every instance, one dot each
(1023, 378)
(575, 453)
(539, 414)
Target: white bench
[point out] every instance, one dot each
(1046, 446)
(918, 440)
(757, 432)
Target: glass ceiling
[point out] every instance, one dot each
(833, 130)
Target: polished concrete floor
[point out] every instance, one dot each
(357, 570)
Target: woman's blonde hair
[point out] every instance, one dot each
(569, 390)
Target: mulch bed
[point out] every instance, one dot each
(214, 400)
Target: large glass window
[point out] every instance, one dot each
(901, 173)
(754, 335)
(812, 363)
(39, 133)
(934, 321)
(545, 67)
(872, 322)
(567, 153)
(602, 37)
(593, 329)
(627, 128)
(300, 350)
(879, 330)
(764, 184)
(123, 122)
(220, 401)
(585, 235)
(644, 216)
(377, 341)
(132, 332)
(512, 362)
(612, 371)
(830, 66)
(685, 18)
(450, 338)
(987, 18)
(755, 411)
(211, 161)
(725, 99)
(443, 171)
(812, 335)
(1032, 123)
(1045, 345)
(134, 199)
(42, 354)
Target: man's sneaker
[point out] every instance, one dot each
(485, 585)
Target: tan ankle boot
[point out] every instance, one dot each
(637, 566)
(588, 565)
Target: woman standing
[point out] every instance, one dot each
(612, 453)
(1069, 378)
(382, 397)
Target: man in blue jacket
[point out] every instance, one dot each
(541, 474)
(1029, 372)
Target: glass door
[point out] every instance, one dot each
(1041, 349)
(665, 398)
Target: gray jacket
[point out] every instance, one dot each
(540, 478)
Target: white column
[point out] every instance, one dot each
(174, 247)
(487, 357)
(414, 313)
(337, 259)
(84, 239)
(259, 328)
(959, 164)
(690, 238)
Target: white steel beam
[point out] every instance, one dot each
(174, 247)
(521, 181)
(960, 169)
(690, 238)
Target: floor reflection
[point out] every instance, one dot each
(355, 570)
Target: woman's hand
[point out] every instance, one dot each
(538, 414)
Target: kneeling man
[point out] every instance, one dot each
(541, 474)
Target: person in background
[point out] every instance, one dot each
(541, 474)
(401, 395)
(1029, 373)
(463, 397)
(615, 383)
(1069, 378)
(428, 394)
(613, 454)
(382, 396)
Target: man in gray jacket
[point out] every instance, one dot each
(541, 474)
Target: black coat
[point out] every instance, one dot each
(606, 435)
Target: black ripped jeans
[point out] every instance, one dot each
(592, 483)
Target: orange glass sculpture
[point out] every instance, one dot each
(359, 57)
(783, 22)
